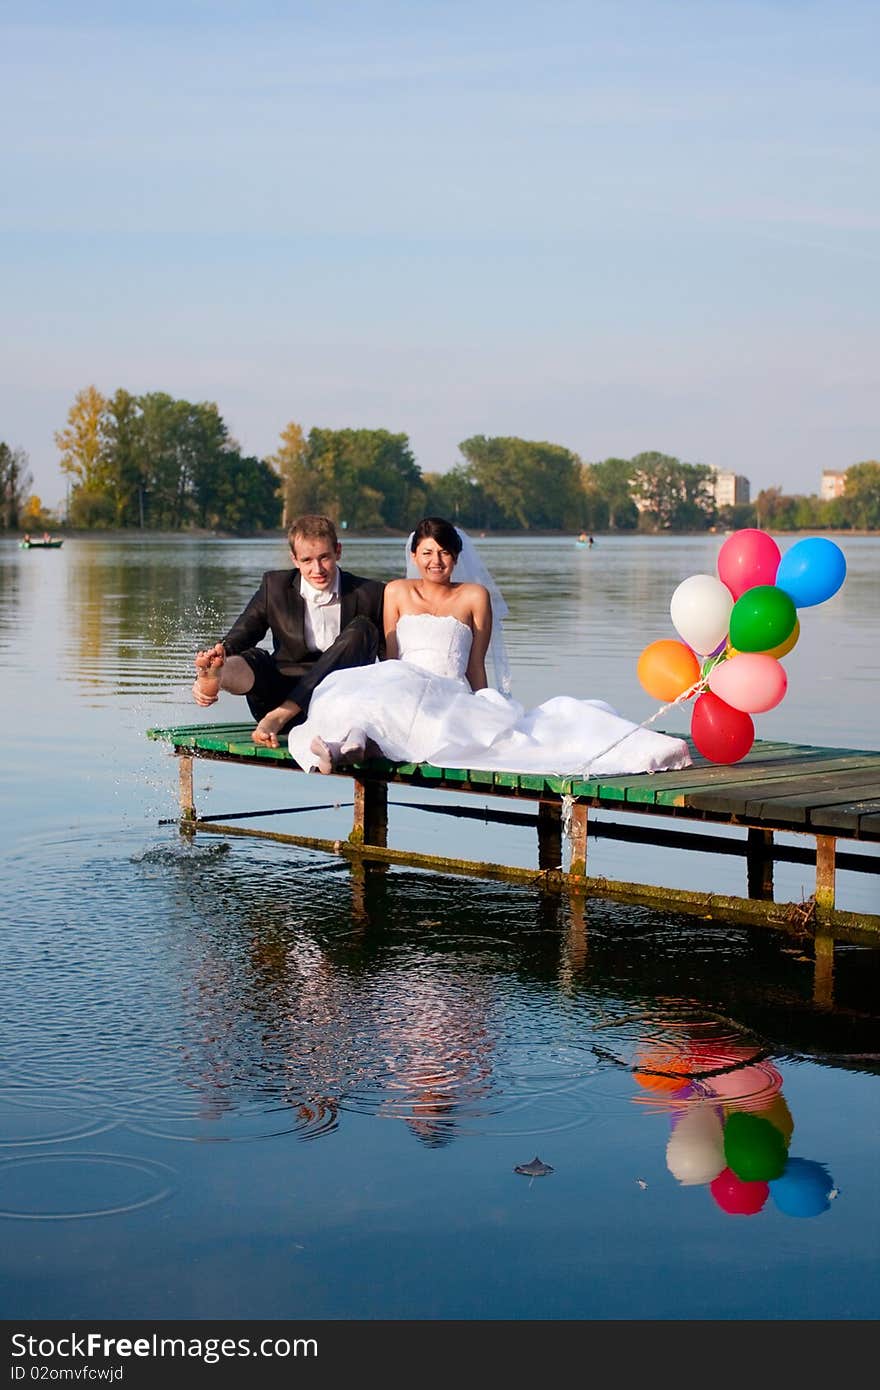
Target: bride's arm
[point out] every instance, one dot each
(390, 614)
(481, 627)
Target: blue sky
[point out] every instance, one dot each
(615, 226)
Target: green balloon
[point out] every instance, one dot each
(761, 618)
(754, 1149)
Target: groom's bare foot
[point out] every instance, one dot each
(209, 667)
(270, 726)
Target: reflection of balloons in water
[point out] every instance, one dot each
(754, 1148)
(700, 611)
(746, 559)
(666, 669)
(804, 1189)
(811, 571)
(695, 1150)
(736, 1197)
(747, 1087)
(779, 1115)
(663, 1069)
(761, 618)
(721, 733)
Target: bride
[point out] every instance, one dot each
(430, 701)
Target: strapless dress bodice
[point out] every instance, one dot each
(441, 645)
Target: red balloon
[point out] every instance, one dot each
(736, 1197)
(748, 558)
(721, 733)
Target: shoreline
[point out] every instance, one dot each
(135, 534)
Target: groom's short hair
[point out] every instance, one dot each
(312, 528)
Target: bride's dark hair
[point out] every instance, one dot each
(435, 528)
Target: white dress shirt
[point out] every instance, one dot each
(323, 614)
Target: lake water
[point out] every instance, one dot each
(238, 1081)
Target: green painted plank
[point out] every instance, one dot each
(530, 782)
(507, 779)
(481, 776)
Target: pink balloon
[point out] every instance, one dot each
(748, 558)
(750, 681)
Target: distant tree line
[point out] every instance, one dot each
(156, 463)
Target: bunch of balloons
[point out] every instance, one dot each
(735, 628)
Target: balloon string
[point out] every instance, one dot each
(685, 695)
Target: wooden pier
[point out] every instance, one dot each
(825, 795)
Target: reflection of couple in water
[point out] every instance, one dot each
(427, 698)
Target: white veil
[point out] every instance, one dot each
(470, 569)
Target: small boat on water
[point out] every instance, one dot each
(47, 544)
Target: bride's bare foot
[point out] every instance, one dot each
(326, 753)
(209, 667)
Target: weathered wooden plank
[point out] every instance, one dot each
(795, 807)
(737, 779)
(854, 816)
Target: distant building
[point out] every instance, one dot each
(833, 484)
(731, 489)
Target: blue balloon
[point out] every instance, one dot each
(803, 1189)
(811, 571)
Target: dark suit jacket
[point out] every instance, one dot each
(278, 607)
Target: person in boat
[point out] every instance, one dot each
(27, 537)
(321, 619)
(430, 700)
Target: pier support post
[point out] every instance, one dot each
(825, 872)
(549, 835)
(574, 946)
(185, 798)
(370, 813)
(823, 970)
(759, 863)
(577, 834)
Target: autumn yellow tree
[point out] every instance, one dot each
(34, 516)
(82, 442)
(298, 487)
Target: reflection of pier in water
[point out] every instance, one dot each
(388, 993)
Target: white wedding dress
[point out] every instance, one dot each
(420, 708)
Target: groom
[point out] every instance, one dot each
(321, 619)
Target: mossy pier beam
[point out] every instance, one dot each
(826, 795)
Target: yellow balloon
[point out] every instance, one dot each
(785, 647)
(781, 650)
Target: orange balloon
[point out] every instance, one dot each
(667, 669)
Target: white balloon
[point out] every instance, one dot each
(695, 1152)
(700, 611)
